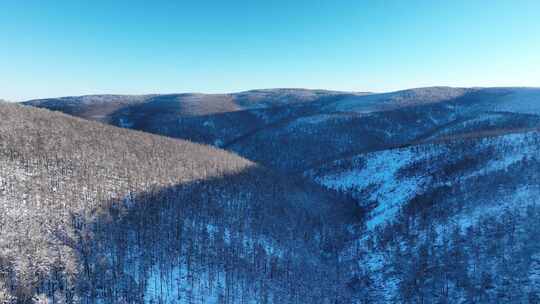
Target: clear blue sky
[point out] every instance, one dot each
(71, 47)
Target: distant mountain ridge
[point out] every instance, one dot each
(292, 130)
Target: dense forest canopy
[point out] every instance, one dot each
(91, 212)
(272, 196)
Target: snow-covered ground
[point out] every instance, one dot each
(377, 173)
(517, 200)
(374, 178)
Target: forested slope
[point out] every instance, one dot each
(291, 130)
(216, 119)
(350, 125)
(448, 222)
(94, 213)
(433, 194)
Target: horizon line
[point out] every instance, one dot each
(271, 89)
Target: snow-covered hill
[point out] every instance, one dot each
(347, 125)
(387, 180)
(417, 195)
(208, 118)
(261, 125)
(99, 214)
(394, 100)
(426, 195)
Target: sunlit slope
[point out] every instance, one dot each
(356, 124)
(99, 213)
(207, 118)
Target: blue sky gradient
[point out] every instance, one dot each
(71, 47)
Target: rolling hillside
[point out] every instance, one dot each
(292, 130)
(426, 195)
(207, 118)
(444, 219)
(376, 122)
(95, 213)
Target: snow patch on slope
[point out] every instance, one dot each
(374, 179)
(508, 157)
(518, 200)
(380, 172)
